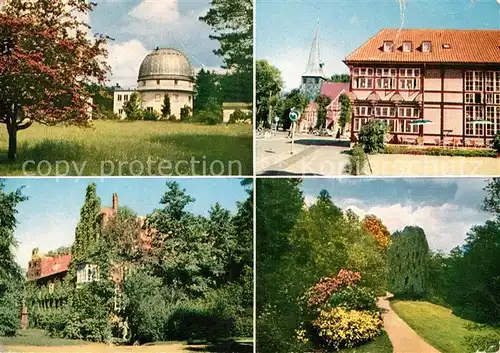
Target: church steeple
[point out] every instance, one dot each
(313, 77)
(314, 65)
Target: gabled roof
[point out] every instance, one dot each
(51, 265)
(333, 89)
(465, 46)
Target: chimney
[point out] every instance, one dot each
(115, 203)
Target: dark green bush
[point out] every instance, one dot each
(357, 162)
(372, 136)
(496, 142)
(145, 307)
(10, 308)
(354, 298)
(238, 115)
(151, 116)
(206, 117)
(55, 321)
(185, 111)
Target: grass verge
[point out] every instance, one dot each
(440, 328)
(380, 345)
(131, 148)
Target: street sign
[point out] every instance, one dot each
(294, 115)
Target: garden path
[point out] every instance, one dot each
(403, 338)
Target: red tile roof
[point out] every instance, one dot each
(53, 265)
(333, 89)
(466, 46)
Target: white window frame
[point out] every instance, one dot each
(87, 273)
(388, 46)
(426, 46)
(362, 78)
(125, 97)
(157, 97)
(119, 98)
(407, 46)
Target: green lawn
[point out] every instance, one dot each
(438, 326)
(381, 345)
(131, 148)
(37, 338)
(36, 341)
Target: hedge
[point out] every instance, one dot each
(435, 151)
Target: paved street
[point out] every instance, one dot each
(313, 155)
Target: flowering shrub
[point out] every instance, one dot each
(340, 327)
(354, 298)
(323, 290)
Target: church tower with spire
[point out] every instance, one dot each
(314, 76)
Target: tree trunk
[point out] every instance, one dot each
(12, 154)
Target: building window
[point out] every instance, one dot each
(473, 112)
(426, 46)
(87, 273)
(119, 98)
(51, 287)
(120, 111)
(473, 80)
(176, 82)
(189, 99)
(363, 111)
(385, 111)
(407, 112)
(176, 97)
(157, 82)
(149, 109)
(388, 46)
(362, 78)
(386, 79)
(407, 46)
(125, 97)
(446, 46)
(157, 97)
(489, 81)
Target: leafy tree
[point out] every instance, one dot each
(206, 85)
(323, 102)
(45, 76)
(132, 107)
(345, 111)
(88, 227)
(372, 136)
(408, 260)
(165, 108)
(122, 236)
(232, 21)
(374, 226)
(341, 78)
(268, 85)
(491, 202)
(11, 277)
(294, 99)
(236, 86)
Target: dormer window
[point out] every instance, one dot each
(406, 46)
(388, 46)
(426, 46)
(446, 46)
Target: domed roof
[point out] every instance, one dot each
(165, 63)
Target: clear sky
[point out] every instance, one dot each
(285, 28)
(48, 219)
(139, 26)
(445, 208)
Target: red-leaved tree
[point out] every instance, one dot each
(47, 58)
